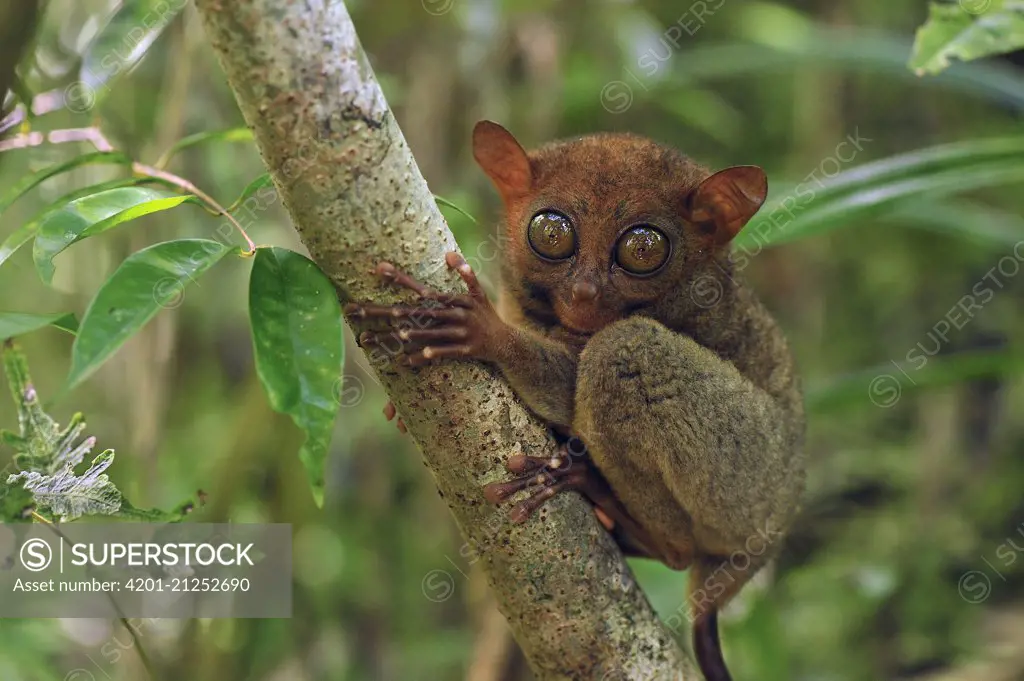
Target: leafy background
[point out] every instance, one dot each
(894, 196)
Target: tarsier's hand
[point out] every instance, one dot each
(447, 326)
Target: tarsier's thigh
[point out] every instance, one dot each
(677, 433)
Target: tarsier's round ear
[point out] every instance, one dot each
(725, 202)
(503, 159)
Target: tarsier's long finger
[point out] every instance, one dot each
(396, 312)
(604, 519)
(525, 508)
(439, 334)
(432, 353)
(392, 274)
(521, 463)
(386, 342)
(459, 264)
(497, 492)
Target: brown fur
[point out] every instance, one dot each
(692, 412)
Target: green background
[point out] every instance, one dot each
(901, 565)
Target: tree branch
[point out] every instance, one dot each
(355, 195)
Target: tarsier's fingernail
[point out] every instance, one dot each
(519, 515)
(385, 269)
(492, 494)
(403, 334)
(604, 519)
(455, 260)
(517, 463)
(465, 268)
(367, 337)
(428, 352)
(355, 310)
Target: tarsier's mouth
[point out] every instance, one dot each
(585, 322)
(568, 326)
(576, 333)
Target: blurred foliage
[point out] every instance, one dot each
(42, 481)
(903, 564)
(967, 30)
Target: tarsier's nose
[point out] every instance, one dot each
(583, 292)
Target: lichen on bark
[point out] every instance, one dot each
(355, 195)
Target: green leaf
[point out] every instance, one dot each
(848, 49)
(230, 135)
(250, 189)
(33, 180)
(939, 157)
(875, 200)
(952, 32)
(964, 219)
(17, 239)
(68, 323)
(299, 348)
(17, 323)
(885, 385)
(24, 234)
(146, 281)
(820, 205)
(92, 215)
(441, 201)
(118, 47)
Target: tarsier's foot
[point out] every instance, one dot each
(550, 475)
(569, 470)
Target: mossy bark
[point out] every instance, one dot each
(355, 195)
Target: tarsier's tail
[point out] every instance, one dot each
(713, 582)
(708, 648)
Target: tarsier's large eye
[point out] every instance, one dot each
(642, 250)
(551, 235)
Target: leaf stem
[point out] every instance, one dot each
(150, 171)
(93, 136)
(42, 103)
(143, 656)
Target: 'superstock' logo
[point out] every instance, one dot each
(36, 555)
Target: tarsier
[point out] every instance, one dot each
(622, 322)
